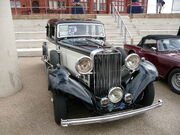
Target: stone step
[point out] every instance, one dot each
(30, 43)
(30, 35)
(29, 52)
(149, 32)
(27, 29)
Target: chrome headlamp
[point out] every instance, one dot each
(115, 94)
(132, 61)
(84, 65)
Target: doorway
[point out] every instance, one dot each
(35, 7)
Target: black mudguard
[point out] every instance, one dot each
(145, 74)
(61, 80)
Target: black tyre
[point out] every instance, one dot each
(54, 57)
(174, 80)
(146, 98)
(124, 55)
(60, 108)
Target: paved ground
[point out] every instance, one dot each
(30, 112)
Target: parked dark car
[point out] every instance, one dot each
(164, 52)
(84, 67)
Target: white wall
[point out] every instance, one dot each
(176, 6)
(151, 6)
(167, 8)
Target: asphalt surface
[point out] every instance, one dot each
(30, 112)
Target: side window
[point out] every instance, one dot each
(149, 43)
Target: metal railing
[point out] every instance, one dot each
(120, 24)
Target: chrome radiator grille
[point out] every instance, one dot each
(107, 72)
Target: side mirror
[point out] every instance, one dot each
(153, 48)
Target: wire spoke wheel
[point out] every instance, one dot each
(176, 81)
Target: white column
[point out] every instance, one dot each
(98, 6)
(9, 71)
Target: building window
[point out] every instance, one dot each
(15, 3)
(57, 4)
(99, 5)
(61, 4)
(50, 4)
(102, 5)
(84, 4)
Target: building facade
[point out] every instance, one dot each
(26, 7)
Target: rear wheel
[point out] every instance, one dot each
(146, 98)
(174, 80)
(60, 108)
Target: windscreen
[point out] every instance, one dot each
(169, 45)
(80, 30)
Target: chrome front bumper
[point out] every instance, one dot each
(109, 117)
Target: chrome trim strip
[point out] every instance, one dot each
(109, 117)
(93, 53)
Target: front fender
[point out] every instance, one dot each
(61, 80)
(145, 74)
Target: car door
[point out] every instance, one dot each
(149, 51)
(164, 62)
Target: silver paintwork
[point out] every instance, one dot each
(109, 117)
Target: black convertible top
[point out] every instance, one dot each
(159, 37)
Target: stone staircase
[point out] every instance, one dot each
(140, 27)
(113, 34)
(30, 33)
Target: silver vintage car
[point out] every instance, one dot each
(84, 67)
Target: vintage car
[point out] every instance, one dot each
(164, 52)
(84, 67)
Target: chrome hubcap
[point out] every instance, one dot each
(176, 81)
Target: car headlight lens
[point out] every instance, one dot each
(115, 94)
(84, 65)
(132, 61)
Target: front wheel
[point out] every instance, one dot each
(174, 80)
(60, 108)
(146, 98)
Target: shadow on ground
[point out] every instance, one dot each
(30, 112)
